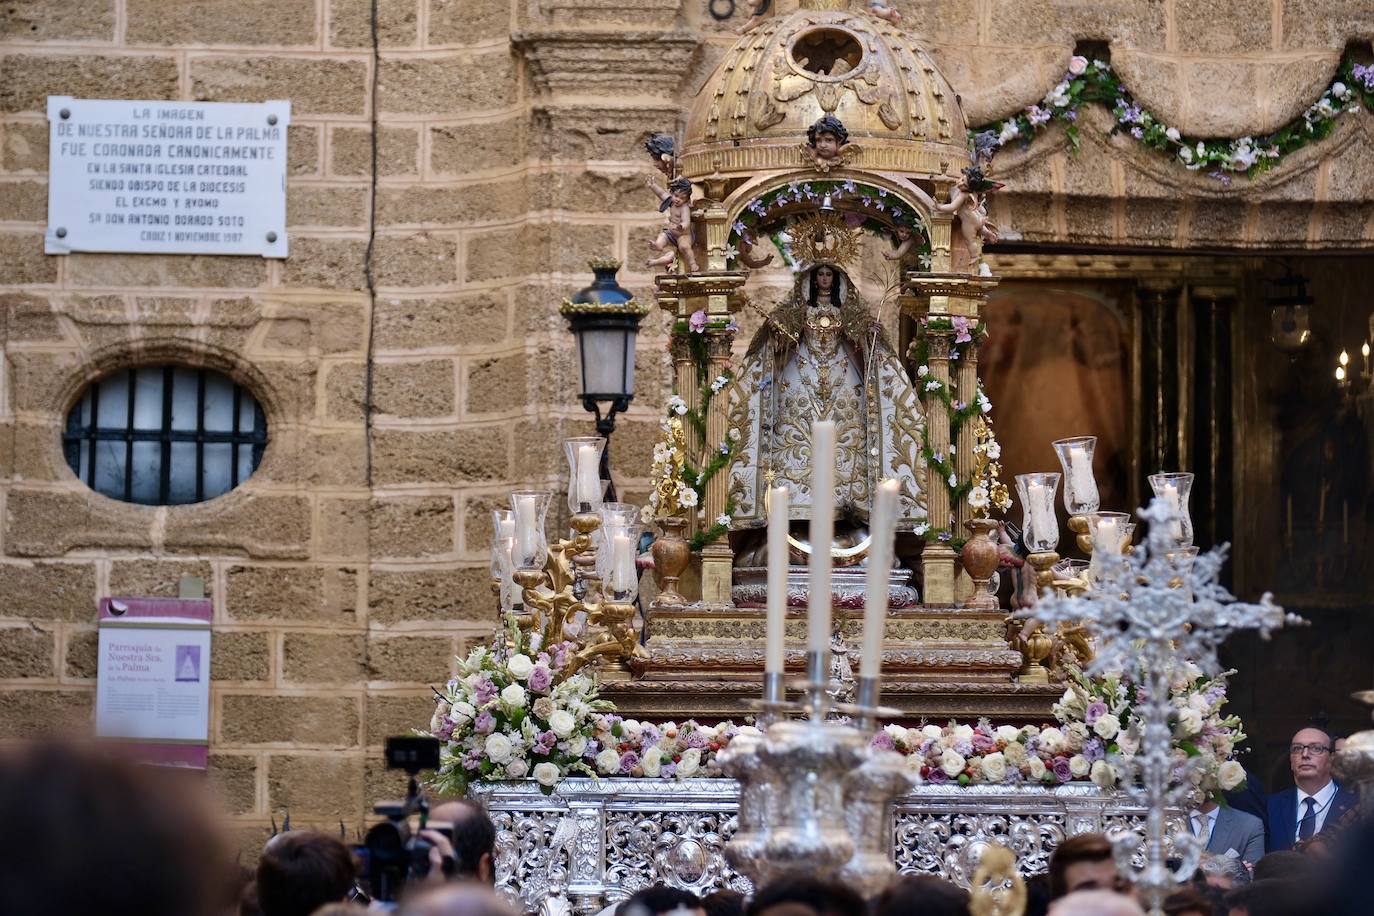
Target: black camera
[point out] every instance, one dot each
(394, 854)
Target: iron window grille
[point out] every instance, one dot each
(164, 435)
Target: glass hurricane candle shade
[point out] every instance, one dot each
(1174, 488)
(616, 563)
(531, 547)
(1080, 486)
(502, 571)
(502, 528)
(1039, 525)
(584, 472)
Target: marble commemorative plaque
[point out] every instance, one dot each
(167, 177)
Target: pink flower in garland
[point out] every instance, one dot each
(961, 329)
(698, 321)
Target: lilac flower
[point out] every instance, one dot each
(542, 658)
(882, 192)
(1062, 771)
(849, 185)
(628, 761)
(485, 723)
(697, 322)
(937, 777)
(1222, 177)
(938, 457)
(961, 329)
(696, 739)
(883, 741)
(1093, 750)
(593, 748)
(544, 742)
(668, 770)
(965, 748)
(651, 735)
(541, 678)
(445, 730)
(944, 536)
(472, 760)
(1138, 133)
(485, 690)
(560, 655)
(1037, 115)
(757, 207)
(984, 744)
(1130, 114)
(1071, 114)
(953, 354)
(1096, 710)
(739, 227)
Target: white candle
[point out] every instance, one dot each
(588, 475)
(505, 527)
(1041, 510)
(1170, 497)
(526, 530)
(622, 564)
(881, 527)
(775, 652)
(1081, 473)
(822, 534)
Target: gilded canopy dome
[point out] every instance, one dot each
(789, 71)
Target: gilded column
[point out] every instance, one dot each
(965, 391)
(685, 387)
(717, 559)
(937, 560)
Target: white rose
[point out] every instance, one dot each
(1172, 133)
(1052, 739)
(963, 733)
(517, 768)
(748, 731)
(652, 761)
(1127, 744)
(1103, 774)
(1008, 733)
(932, 731)
(1189, 721)
(1230, 775)
(577, 745)
(1107, 726)
(690, 762)
(441, 709)
(1078, 766)
(994, 767)
(952, 762)
(520, 667)
(462, 713)
(561, 723)
(514, 696)
(608, 761)
(498, 748)
(1076, 736)
(897, 732)
(1037, 768)
(546, 774)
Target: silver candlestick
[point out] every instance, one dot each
(869, 792)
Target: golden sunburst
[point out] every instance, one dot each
(826, 237)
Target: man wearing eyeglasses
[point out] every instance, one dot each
(1300, 813)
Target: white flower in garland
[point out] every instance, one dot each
(993, 450)
(677, 405)
(978, 498)
(933, 385)
(953, 481)
(921, 529)
(723, 519)
(718, 383)
(1172, 133)
(687, 496)
(922, 371)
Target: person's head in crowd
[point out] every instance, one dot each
(1083, 863)
(1187, 901)
(1037, 895)
(788, 908)
(1337, 744)
(464, 899)
(1224, 872)
(474, 839)
(1309, 757)
(1275, 897)
(1284, 864)
(723, 903)
(923, 894)
(1095, 903)
(340, 909)
(822, 896)
(659, 899)
(87, 832)
(301, 871)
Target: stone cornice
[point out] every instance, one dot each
(605, 61)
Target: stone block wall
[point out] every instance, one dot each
(448, 178)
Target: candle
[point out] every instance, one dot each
(526, 533)
(1170, 497)
(505, 527)
(588, 476)
(1081, 475)
(822, 533)
(776, 650)
(622, 564)
(1042, 521)
(881, 527)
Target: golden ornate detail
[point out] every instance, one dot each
(825, 237)
(630, 307)
(997, 887)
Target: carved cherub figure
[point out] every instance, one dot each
(883, 11)
(676, 235)
(969, 202)
(903, 240)
(827, 143)
(663, 152)
(762, 10)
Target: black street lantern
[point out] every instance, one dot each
(604, 318)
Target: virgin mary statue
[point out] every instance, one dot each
(821, 355)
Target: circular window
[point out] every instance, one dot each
(827, 52)
(164, 435)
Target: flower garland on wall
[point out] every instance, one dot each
(518, 709)
(677, 486)
(1095, 81)
(983, 487)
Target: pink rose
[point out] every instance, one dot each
(1077, 65)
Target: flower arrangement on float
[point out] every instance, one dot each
(518, 709)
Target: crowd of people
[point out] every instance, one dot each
(85, 832)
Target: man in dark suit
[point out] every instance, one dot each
(1301, 812)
